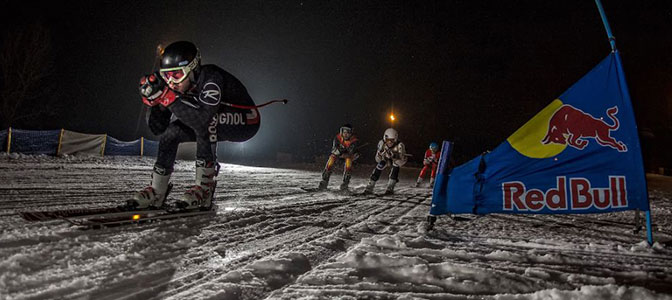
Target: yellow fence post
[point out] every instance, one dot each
(9, 139)
(60, 139)
(102, 150)
(142, 146)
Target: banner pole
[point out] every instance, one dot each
(649, 235)
(612, 39)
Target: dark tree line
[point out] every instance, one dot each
(27, 93)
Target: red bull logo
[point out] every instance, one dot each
(571, 126)
(579, 195)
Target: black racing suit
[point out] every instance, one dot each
(201, 115)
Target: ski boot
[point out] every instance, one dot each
(390, 186)
(430, 222)
(431, 183)
(370, 186)
(346, 182)
(418, 182)
(154, 195)
(325, 180)
(201, 194)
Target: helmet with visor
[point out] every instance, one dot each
(178, 61)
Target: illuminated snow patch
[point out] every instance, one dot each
(232, 208)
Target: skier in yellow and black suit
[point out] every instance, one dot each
(344, 147)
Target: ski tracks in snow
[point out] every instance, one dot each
(269, 239)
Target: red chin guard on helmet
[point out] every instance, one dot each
(166, 98)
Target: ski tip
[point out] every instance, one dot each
(180, 207)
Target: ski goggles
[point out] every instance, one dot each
(179, 74)
(173, 75)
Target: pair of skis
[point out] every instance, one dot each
(112, 216)
(345, 192)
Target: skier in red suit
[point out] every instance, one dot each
(431, 160)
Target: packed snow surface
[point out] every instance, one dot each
(272, 240)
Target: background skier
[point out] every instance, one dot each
(343, 148)
(391, 152)
(431, 160)
(187, 104)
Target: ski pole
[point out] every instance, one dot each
(284, 101)
(143, 107)
(362, 146)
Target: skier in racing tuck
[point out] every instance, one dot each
(190, 102)
(343, 148)
(431, 160)
(391, 152)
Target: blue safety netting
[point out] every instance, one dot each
(116, 147)
(151, 148)
(34, 141)
(47, 142)
(3, 140)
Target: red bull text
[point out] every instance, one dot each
(579, 195)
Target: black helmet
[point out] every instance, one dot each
(178, 60)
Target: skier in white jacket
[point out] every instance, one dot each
(391, 152)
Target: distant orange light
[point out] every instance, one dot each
(392, 118)
(136, 217)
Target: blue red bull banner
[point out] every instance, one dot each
(580, 154)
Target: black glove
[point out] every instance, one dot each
(381, 154)
(151, 88)
(158, 119)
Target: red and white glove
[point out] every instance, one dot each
(155, 91)
(151, 89)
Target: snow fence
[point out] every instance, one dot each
(3, 139)
(66, 142)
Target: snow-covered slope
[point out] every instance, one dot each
(269, 239)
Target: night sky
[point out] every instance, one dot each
(467, 71)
